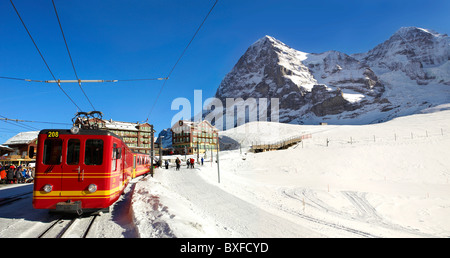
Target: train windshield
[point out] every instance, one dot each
(73, 152)
(93, 152)
(52, 151)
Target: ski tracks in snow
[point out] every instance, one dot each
(356, 209)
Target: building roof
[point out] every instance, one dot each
(5, 148)
(194, 124)
(22, 138)
(117, 125)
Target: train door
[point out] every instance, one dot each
(74, 171)
(117, 164)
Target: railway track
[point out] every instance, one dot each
(69, 227)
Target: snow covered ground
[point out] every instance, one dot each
(381, 180)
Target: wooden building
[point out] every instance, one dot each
(194, 137)
(19, 149)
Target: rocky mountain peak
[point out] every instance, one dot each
(414, 51)
(336, 86)
(414, 32)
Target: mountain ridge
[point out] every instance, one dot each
(345, 89)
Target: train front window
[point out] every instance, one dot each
(73, 152)
(52, 152)
(93, 152)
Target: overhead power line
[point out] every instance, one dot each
(181, 56)
(70, 56)
(19, 79)
(82, 81)
(28, 121)
(7, 120)
(43, 59)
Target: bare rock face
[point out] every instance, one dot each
(334, 86)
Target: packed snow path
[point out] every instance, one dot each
(232, 216)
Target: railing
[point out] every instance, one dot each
(283, 144)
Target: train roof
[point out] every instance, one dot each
(81, 132)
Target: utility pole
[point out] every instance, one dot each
(152, 150)
(218, 167)
(160, 151)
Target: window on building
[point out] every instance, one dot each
(52, 151)
(93, 152)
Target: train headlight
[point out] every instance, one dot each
(75, 130)
(92, 188)
(47, 188)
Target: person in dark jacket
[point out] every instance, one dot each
(10, 175)
(18, 174)
(178, 163)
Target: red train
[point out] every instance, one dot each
(83, 170)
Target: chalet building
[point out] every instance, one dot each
(194, 137)
(19, 148)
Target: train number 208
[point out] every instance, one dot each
(53, 134)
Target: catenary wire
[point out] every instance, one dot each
(19, 79)
(30, 121)
(76, 81)
(70, 56)
(7, 120)
(179, 59)
(43, 59)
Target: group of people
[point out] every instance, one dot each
(10, 174)
(189, 162)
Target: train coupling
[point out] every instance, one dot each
(69, 207)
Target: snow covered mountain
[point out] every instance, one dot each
(405, 74)
(167, 138)
(423, 55)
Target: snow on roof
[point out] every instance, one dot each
(2, 147)
(110, 124)
(191, 124)
(22, 138)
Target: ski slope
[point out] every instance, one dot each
(380, 180)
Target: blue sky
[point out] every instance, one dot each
(132, 39)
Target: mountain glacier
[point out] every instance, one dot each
(405, 74)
